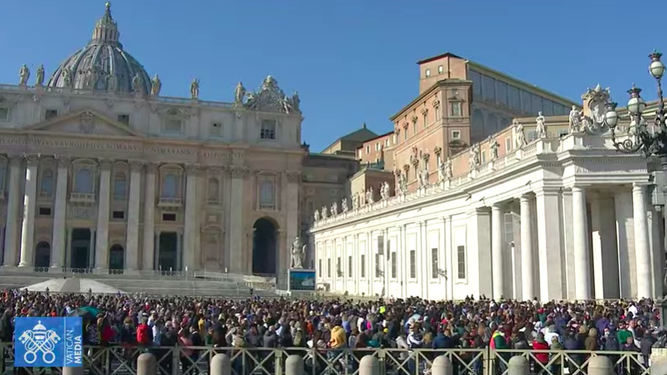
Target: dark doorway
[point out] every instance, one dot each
(80, 248)
(116, 257)
(168, 252)
(264, 248)
(43, 255)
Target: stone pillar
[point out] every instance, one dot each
(292, 221)
(603, 247)
(29, 201)
(148, 249)
(60, 213)
(134, 206)
(478, 246)
(642, 251)
(190, 230)
(581, 251)
(625, 240)
(527, 259)
(11, 230)
(497, 250)
(237, 200)
(549, 243)
(568, 244)
(102, 239)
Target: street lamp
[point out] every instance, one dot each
(650, 143)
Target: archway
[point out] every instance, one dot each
(81, 244)
(116, 257)
(264, 247)
(43, 255)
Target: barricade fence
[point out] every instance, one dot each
(179, 360)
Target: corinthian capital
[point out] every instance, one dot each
(63, 161)
(105, 163)
(32, 159)
(151, 168)
(293, 176)
(136, 165)
(239, 172)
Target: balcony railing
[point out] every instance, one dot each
(82, 197)
(44, 196)
(170, 202)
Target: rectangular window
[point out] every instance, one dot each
(501, 92)
(329, 267)
(455, 109)
(377, 146)
(536, 103)
(456, 134)
(483, 153)
(426, 120)
(266, 195)
(476, 79)
(4, 114)
(50, 113)
(124, 119)
(350, 271)
(368, 149)
(168, 217)
(461, 262)
(319, 267)
(435, 266)
(386, 142)
(508, 144)
(514, 99)
(268, 130)
(378, 268)
(173, 125)
(489, 88)
(413, 264)
(118, 215)
(440, 69)
(405, 133)
(362, 265)
(45, 211)
(414, 127)
(525, 101)
(428, 73)
(339, 268)
(394, 265)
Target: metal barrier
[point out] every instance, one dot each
(124, 360)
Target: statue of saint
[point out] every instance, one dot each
(473, 157)
(519, 135)
(334, 208)
(575, 120)
(239, 93)
(449, 169)
(138, 84)
(540, 128)
(40, 76)
(344, 205)
(316, 215)
(298, 253)
(493, 147)
(441, 171)
(194, 89)
(370, 196)
(423, 178)
(296, 102)
(156, 86)
(24, 75)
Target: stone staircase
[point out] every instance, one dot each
(151, 285)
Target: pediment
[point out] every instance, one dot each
(85, 122)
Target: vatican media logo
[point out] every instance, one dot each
(48, 342)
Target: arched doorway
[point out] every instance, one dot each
(116, 257)
(81, 245)
(264, 247)
(43, 255)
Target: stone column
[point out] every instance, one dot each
(291, 206)
(237, 200)
(479, 247)
(190, 254)
(148, 250)
(581, 251)
(549, 243)
(603, 247)
(527, 260)
(625, 241)
(29, 201)
(497, 250)
(642, 251)
(102, 239)
(60, 213)
(134, 205)
(11, 230)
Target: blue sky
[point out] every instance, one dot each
(352, 61)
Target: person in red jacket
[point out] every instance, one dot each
(540, 344)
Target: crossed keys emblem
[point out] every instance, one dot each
(39, 340)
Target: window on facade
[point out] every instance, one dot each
(328, 267)
(4, 114)
(45, 186)
(173, 125)
(266, 195)
(476, 79)
(213, 190)
(413, 264)
(455, 109)
(362, 265)
(435, 266)
(124, 119)
(525, 101)
(378, 268)
(349, 266)
(394, 265)
(170, 186)
(386, 142)
(461, 261)
(368, 149)
(377, 146)
(426, 120)
(509, 227)
(216, 129)
(489, 88)
(414, 127)
(50, 113)
(501, 92)
(339, 268)
(405, 133)
(483, 154)
(83, 181)
(508, 144)
(440, 69)
(456, 134)
(319, 267)
(428, 73)
(119, 186)
(268, 130)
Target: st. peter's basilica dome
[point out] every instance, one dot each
(102, 64)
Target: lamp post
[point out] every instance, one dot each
(651, 142)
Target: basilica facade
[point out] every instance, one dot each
(100, 173)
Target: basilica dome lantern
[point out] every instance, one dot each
(102, 65)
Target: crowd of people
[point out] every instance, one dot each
(335, 325)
